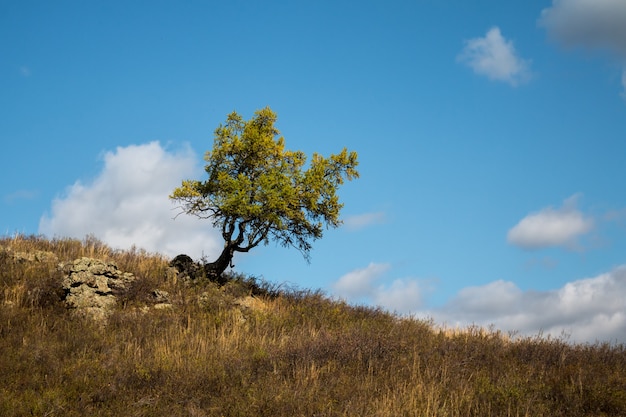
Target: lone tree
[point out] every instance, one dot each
(257, 190)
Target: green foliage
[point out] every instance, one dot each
(283, 352)
(258, 191)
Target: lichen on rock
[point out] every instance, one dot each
(34, 256)
(91, 286)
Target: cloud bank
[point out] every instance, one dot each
(496, 58)
(586, 310)
(551, 227)
(127, 204)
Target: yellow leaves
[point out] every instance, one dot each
(256, 181)
(188, 189)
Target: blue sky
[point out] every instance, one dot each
(490, 137)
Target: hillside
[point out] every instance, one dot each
(173, 346)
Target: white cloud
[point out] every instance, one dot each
(496, 58)
(364, 284)
(402, 296)
(128, 204)
(587, 23)
(551, 227)
(361, 221)
(359, 283)
(591, 24)
(587, 310)
(489, 300)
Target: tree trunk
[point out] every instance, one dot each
(215, 269)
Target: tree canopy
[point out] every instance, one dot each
(258, 191)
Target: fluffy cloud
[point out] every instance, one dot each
(592, 24)
(551, 227)
(127, 204)
(587, 23)
(587, 310)
(403, 295)
(496, 58)
(359, 283)
(361, 221)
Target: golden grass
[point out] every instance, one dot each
(249, 349)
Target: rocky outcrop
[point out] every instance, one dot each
(91, 286)
(35, 256)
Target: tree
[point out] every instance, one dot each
(258, 191)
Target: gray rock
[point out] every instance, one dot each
(91, 286)
(35, 256)
(162, 299)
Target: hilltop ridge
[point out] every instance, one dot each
(176, 346)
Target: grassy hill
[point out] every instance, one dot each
(249, 348)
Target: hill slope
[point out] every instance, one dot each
(251, 349)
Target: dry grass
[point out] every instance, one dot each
(221, 352)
